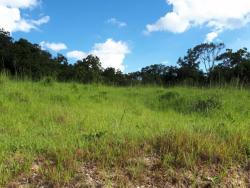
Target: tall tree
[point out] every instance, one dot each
(89, 69)
(207, 54)
(231, 59)
(6, 43)
(189, 67)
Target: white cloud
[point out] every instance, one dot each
(211, 36)
(217, 15)
(78, 55)
(41, 21)
(53, 46)
(19, 3)
(116, 22)
(11, 18)
(111, 53)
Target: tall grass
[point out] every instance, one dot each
(66, 124)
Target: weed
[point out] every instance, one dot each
(93, 136)
(206, 105)
(3, 79)
(101, 96)
(168, 160)
(18, 97)
(169, 96)
(48, 81)
(60, 99)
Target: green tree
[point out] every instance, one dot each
(88, 70)
(153, 74)
(235, 64)
(189, 67)
(207, 54)
(6, 44)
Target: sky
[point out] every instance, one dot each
(127, 34)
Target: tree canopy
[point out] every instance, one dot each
(205, 62)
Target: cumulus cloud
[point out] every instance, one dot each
(217, 15)
(111, 53)
(53, 46)
(212, 35)
(11, 18)
(78, 55)
(116, 22)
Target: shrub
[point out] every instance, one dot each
(186, 104)
(206, 105)
(171, 100)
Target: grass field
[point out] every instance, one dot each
(72, 135)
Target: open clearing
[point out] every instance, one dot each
(72, 135)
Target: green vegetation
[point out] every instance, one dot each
(53, 132)
(204, 65)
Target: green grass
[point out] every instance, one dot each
(65, 125)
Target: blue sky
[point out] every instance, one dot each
(138, 32)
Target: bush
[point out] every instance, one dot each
(171, 100)
(206, 105)
(185, 104)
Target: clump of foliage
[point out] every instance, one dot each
(93, 136)
(170, 96)
(206, 105)
(185, 104)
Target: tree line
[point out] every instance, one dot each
(207, 63)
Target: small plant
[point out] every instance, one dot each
(136, 169)
(247, 149)
(206, 105)
(18, 97)
(169, 95)
(3, 79)
(168, 160)
(101, 96)
(60, 99)
(93, 136)
(48, 81)
(74, 87)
